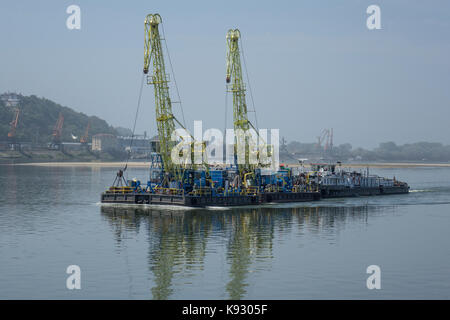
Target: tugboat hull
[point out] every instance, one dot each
(341, 192)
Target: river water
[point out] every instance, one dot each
(50, 218)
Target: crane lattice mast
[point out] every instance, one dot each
(165, 118)
(237, 87)
(159, 79)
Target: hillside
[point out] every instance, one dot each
(38, 117)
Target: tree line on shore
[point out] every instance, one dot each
(386, 151)
(37, 119)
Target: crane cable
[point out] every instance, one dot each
(226, 106)
(248, 82)
(173, 73)
(251, 92)
(135, 121)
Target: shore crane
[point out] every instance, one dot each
(84, 138)
(327, 136)
(14, 123)
(57, 130)
(56, 135)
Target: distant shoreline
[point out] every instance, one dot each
(147, 164)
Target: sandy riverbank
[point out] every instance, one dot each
(146, 164)
(85, 164)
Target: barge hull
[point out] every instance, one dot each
(243, 200)
(205, 200)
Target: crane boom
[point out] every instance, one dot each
(237, 88)
(241, 123)
(165, 119)
(234, 75)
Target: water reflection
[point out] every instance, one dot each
(178, 240)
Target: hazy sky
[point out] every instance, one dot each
(312, 64)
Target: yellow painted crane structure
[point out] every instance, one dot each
(241, 123)
(155, 69)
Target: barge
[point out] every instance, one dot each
(181, 175)
(222, 188)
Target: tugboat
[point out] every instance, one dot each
(335, 182)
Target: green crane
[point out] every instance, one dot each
(165, 119)
(236, 86)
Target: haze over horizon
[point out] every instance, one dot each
(311, 66)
